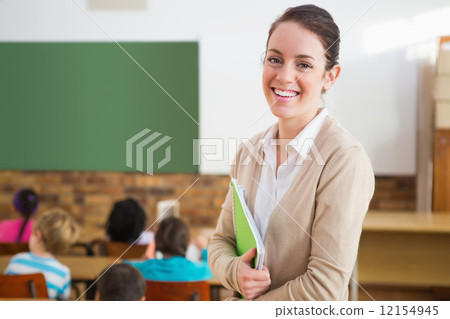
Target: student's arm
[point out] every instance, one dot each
(205, 255)
(200, 243)
(150, 251)
(342, 198)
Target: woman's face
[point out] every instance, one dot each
(294, 72)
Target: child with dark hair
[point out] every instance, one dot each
(53, 233)
(121, 282)
(19, 230)
(126, 223)
(172, 240)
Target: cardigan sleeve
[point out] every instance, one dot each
(343, 193)
(222, 256)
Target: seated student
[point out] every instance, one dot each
(121, 282)
(126, 223)
(172, 239)
(19, 230)
(53, 232)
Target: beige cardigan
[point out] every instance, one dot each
(327, 202)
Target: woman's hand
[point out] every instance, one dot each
(252, 282)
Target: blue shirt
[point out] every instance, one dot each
(174, 269)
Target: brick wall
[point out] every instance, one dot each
(90, 195)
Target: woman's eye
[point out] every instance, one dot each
(305, 66)
(274, 60)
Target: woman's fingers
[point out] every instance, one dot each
(254, 289)
(248, 256)
(262, 275)
(252, 282)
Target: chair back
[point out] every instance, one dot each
(13, 248)
(116, 249)
(177, 291)
(23, 286)
(79, 249)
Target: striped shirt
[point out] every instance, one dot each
(57, 276)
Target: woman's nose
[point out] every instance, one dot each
(286, 74)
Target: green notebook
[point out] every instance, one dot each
(247, 234)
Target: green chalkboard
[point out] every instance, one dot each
(73, 106)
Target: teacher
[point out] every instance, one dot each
(307, 181)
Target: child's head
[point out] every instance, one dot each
(55, 230)
(121, 282)
(26, 203)
(172, 237)
(126, 221)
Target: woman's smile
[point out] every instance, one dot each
(282, 93)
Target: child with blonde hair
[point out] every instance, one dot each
(53, 233)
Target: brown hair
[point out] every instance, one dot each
(58, 230)
(172, 237)
(121, 282)
(319, 22)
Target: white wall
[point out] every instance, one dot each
(375, 98)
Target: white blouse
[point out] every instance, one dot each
(273, 187)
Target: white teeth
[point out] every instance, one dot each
(285, 94)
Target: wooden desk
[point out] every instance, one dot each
(81, 268)
(405, 248)
(397, 221)
(85, 268)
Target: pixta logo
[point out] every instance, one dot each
(143, 142)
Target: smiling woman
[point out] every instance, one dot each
(309, 211)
